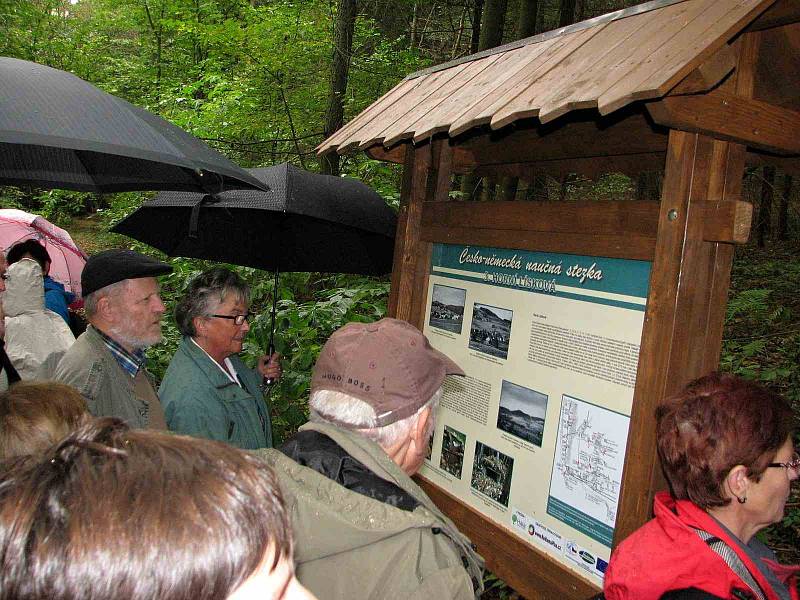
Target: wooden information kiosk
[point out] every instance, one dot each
(574, 319)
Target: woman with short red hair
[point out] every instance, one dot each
(726, 449)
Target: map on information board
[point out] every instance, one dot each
(587, 468)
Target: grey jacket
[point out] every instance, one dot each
(349, 545)
(90, 367)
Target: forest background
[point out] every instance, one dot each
(264, 81)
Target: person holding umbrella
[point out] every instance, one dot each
(208, 391)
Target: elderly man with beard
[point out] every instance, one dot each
(106, 363)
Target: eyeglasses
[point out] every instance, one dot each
(237, 319)
(793, 464)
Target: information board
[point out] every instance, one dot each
(534, 436)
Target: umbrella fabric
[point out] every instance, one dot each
(67, 259)
(305, 222)
(58, 131)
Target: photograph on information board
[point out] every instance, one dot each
(534, 436)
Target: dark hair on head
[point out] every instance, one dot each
(35, 249)
(204, 293)
(716, 423)
(137, 514)
(36, 415)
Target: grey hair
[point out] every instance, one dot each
(329, 406)
(204, 293)
(90, 300)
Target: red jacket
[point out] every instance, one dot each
(666, 554)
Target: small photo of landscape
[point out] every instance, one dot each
(490, 331)
(522, 412)
(447, 308)
(453, 443)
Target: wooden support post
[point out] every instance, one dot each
(682, 335)
(427, 168)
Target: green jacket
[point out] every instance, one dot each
(199, 400)
(90, 367)
(348, 545)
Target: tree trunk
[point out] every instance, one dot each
(413, 33)
(765, 207)
(491, 35)
(340, 67)
(477, 15)
(494, 16)
(567, 14)
(528, 10)
(783, 217)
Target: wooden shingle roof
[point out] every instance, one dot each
(605, 63)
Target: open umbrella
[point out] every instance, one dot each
(305, 222)
(58, 131)
(66, 259)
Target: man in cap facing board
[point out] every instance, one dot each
(106, 363)
(363, 528)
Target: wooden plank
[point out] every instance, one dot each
(726, 186)
(560, 80)
(444, 172)
(778, 69)
(376, 109)
(504, 553)
(652, 30)
(684, 52)
(422, 87)
(557, 50)
(423, 270)
(783, 12)
(572, 137)
(592, 168)
(486, 86)
(725, 116)
(613, 246)
(709, 74)
(586, 217)
(683, 308)
(405, 234)
(728, 221)
(394, 155)
(404, 128)
(440, 118)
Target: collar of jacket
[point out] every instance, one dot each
(210, 369)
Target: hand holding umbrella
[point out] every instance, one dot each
(269, 366)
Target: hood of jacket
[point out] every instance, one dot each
(24, 288)
(334, 520)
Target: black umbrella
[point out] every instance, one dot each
(304, 222)
(58, 131)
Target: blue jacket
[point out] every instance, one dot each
(200, 400)
(56, 298)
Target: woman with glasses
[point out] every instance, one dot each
(725, 446)
(207, 390)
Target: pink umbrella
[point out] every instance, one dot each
(67, 259)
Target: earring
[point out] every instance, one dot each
(741, 500)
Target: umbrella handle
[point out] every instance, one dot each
(268, 381)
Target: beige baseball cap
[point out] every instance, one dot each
(388, 364)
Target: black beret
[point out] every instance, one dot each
(111, 266)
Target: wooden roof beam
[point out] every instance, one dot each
(725, 116)
(783, 12)
(710, 73)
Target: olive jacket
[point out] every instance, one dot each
(109, 391)
(350, 545)
(200, 400)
